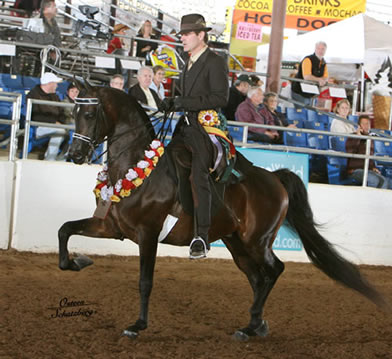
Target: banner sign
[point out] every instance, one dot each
(272, 161)
(303, 15)
(248, 31)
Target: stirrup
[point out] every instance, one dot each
(198, 254)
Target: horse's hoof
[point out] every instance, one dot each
(263, 329)
(240, 336)
(130, 334)
(82, 261)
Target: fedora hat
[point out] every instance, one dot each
(193, 22)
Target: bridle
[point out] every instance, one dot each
(87, 101)
(93, 144)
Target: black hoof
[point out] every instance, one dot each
(130, 334)
(82, 261)
(263, 329)
(75, 264)
(240, 336)
(244, 334)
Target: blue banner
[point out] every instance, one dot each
(286, 239)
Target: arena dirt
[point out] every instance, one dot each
(195, 308)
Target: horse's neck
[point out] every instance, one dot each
(126, 150)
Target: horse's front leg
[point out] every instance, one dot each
(90, 227)
(148, 252)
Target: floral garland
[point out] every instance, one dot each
(134, 177)
(209, 118)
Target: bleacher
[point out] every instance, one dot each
(332, 168)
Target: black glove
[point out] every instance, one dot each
(179, 103)
(167, 104)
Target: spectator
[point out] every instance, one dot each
(142, 92)
(117, 82)
(256, 81)
(72, 93)
(311, 68)
(48, 15)
(50, 114)
(170, 38)
(116, 44)
(355, 166)
(268, 111)
(248, 111)
(156, 84)
(144, 46)
(237, 94)
(342, 109)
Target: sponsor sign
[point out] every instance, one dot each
(303, 15)
(273, 160)
(248, 31)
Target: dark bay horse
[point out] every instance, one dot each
(253, 210)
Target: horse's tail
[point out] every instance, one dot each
(319, 250)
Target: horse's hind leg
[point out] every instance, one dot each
(262, 269)
(90, 227)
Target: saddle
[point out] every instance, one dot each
(223, 174)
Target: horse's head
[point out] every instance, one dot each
(91, 125)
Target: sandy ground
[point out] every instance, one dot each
(195, 308)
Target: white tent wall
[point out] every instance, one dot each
(350, 41)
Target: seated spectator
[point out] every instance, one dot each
(48, 15)
(142, 92)
(156, 84)
(355, 166)
(256, 81)
(50, 114)
(72, 93)
(143, 47)
(268, 111)
(237, 94)
(342, 109)
(248, 111)
(117, 82)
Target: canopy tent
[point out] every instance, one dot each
(357, 40)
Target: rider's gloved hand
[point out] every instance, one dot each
(179, 103)
(167, 104)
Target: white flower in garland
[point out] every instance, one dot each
(131, 175)
(143, 164)
(149, 154)
(118, 185)
(155, 144)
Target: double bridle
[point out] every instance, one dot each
(87, 101)
(92, 142)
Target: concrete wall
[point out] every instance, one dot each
(357, 220)
(6, 184)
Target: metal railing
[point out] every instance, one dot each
(16, 100)
(306, 150)
(30, 123)
(284, 148)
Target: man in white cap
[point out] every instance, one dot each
(50, 114)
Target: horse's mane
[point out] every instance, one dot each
(126, 103)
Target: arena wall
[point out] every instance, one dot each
(357, 220)
(6, 185)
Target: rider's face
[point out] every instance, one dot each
(192, 41)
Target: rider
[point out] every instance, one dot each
(204, 86)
